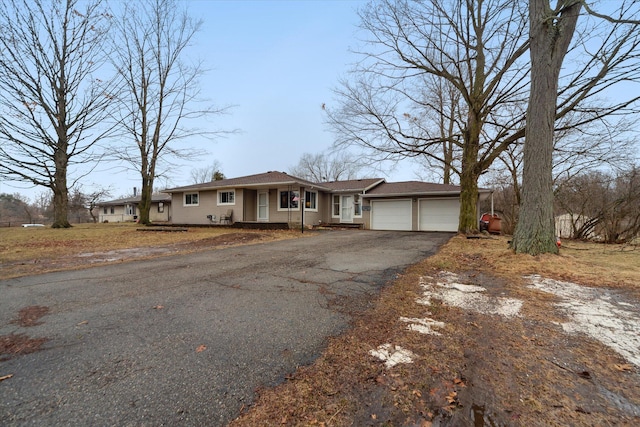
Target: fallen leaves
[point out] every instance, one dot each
(30, 316)
(201, 348)
(626, 367)
(18, 344)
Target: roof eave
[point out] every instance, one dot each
(252, 185)
(413, 194)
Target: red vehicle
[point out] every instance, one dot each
(490, 223)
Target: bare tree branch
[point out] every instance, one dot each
(53, 99)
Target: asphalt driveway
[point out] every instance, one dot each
(188, 339)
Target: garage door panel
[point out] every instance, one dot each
(439, 214)
(391, 215)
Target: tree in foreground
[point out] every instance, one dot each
(53, 103)
(551, 31)
(160, 88)
(441, 81)
(448, 81)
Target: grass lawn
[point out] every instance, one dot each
(39, 249)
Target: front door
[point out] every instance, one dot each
(263, 206)
(346, 214)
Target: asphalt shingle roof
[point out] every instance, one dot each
(267, 178)
(352, 184)
(157, 197)
(411, 187)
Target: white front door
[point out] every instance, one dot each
(263, 206)
(346, 214)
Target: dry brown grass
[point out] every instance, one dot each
(37, 250)
(509, 368)
(588, 263)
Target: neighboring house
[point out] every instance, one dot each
(126, 210)
(276, 197)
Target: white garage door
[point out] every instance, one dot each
(439, 214)
(391, 215)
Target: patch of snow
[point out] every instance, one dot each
(392, 355)
(424, 326)
(451, 291)
(462, 287)
(598, 314)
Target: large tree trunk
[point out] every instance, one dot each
(468, 202)
(60, 190)
(468, 222)
(146, 192)
(550, 35)
(145, 201)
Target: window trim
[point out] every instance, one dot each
(219, 195)
(160, 207)
(357, 197)
(290, 208)
(311, 209)
(184, 199)
(334, 204)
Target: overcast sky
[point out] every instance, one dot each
(277, 63)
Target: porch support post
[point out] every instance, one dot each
(303, 197)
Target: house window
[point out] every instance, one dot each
(191, 199)
(160, 207)
(105, 210)
(336, 205)
(357, 205)
(311, 200)
(130, 209)
(227, 197)
(289, 200)
(113, 210)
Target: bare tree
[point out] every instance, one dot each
(602, 206)
(161, 90)
(15, 208)
(93, 199)
(441, 80)
(551, 31)
(213, 172)
(478, 48)
(323, 167)
(52, 98)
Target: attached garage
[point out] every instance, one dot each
(391, 215)
(438, 214)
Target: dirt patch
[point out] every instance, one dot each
(228, 239)
(30, 316)
(18, 344)
(12, 345)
